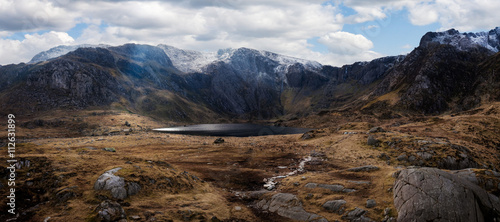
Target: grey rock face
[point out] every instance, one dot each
(335, 206)
(289, 206)
(109, 211)
(429, 194)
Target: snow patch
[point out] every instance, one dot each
(61, 50)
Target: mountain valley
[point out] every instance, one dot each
(395, 138)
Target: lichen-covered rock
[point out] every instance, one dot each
(430, 194)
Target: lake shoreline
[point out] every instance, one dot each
(232, 129)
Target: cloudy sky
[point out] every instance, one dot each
(332, 32)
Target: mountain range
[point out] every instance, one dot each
(448, 72)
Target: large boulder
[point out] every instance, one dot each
(430, 194)
(109, 181)
(289, 206)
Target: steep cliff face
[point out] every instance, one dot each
(442, 73)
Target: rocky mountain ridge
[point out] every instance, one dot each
(246, 83)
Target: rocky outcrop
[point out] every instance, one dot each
(429, 194)
(289, 206)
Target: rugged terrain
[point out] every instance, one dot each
(397, 138)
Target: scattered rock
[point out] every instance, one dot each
(237, 208)
(402, 157)
(372, 141)
(65, 194)
(127, 124)
(133, 188)
(311, 185)
(109, 211)
(387, 211)
(367, 168)
(371, 203)
(452, 163)
(289, 206)
(109, 149)
(309, 196)
(135, 217)
(218, 141)
(384, 156)
(376, 129)
(332, 187)
(335, 206)
(307, 135)
(356, 215)
(348, 190)
(431, 194)
(424, 155)
(412, 158)
(254, 195)
(358, 182)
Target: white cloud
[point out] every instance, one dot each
(34, 15)
(345, 43)
(464, 15)
(345, 47)
(423, 14)
(281, 26)
(15, 51)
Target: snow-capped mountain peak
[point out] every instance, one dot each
(195, 61)
(61, 50)
(464, 41)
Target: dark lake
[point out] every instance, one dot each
(240, 130)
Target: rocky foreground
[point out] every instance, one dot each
(109, 166)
